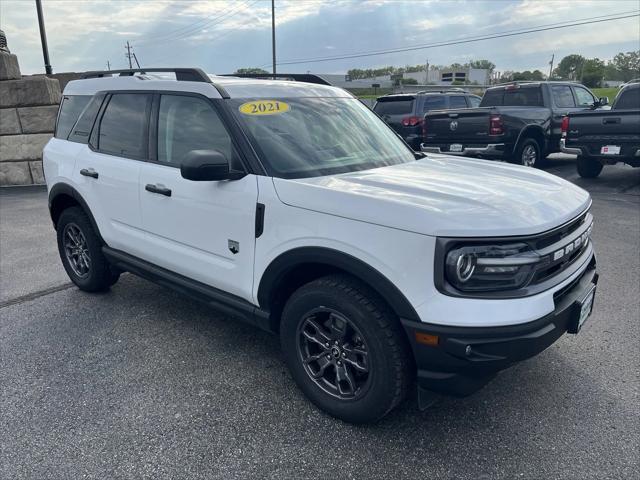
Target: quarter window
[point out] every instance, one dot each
(562, 96)
(585, 99)
(434, 102)
(123, 129)
(189, 123)
(72, 106)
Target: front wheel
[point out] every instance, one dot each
(345, 349)
(588, 167)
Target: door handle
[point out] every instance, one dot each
(158, 189)
(89, 173)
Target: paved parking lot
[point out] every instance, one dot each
(141, 382)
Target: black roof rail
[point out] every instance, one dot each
(182, 74)
(298, 77)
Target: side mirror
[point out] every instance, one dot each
(602, 101)
(207, 165)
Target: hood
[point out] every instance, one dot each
(443, 196)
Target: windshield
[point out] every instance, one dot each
(310, 137)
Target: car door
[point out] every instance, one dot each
(202, 230)
(107, 171)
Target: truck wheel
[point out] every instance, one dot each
(345, 349)
(528, 153)
(588, 167)
(80, 250)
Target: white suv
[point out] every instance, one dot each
(291, 205)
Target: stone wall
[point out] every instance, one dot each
(28, 108)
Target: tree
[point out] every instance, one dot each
(569, 67)
(242, 71)
(592, 72)
(483, 64)
(627, 65)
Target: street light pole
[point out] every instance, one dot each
(43, 38)
(273, 34)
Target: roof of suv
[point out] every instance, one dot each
(218, 86)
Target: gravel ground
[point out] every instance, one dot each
(141, 382)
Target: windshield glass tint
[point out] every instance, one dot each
(311, 137)
(394, 107)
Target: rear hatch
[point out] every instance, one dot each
(397, 111)
(468, 126)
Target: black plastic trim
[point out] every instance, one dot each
(259, 219)
(229, 304)
(66, 189)
(287, 261)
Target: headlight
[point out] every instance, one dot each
(483, 268)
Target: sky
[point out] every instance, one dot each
(220, 36)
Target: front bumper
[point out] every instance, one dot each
(494, 150)
(464, 359)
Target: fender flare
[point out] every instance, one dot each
(66, 189)
(287, 261)
(528, 128)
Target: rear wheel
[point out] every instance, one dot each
(345, 349)
(80, 250)
(528, 153)
(588, 167)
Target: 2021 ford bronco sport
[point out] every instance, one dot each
(291, 205)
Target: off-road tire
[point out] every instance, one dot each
(588, 167)
(389, 357)
(100, 275)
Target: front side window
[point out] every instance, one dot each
(189, 123)
(585, 99)
(309, 137)
(123, 129)
(457, 102)
(70, 110)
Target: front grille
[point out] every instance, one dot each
(560, 248)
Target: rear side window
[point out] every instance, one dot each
(123, 128)
(629, 98)
(513, 97)
(457, 102)
(562, 96)
(398, 106)
(434, 103)
(474, 101)
(70, 109)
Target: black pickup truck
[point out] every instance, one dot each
(606, 136)
(518, 122)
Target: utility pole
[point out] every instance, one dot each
(136, 59)
(108, 65)
(128, 54)
(43, 38)
(426, 69)
(273, 34)
(551, 67)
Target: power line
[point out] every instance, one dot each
(181, 30)
(214, 21)
(458, 41)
